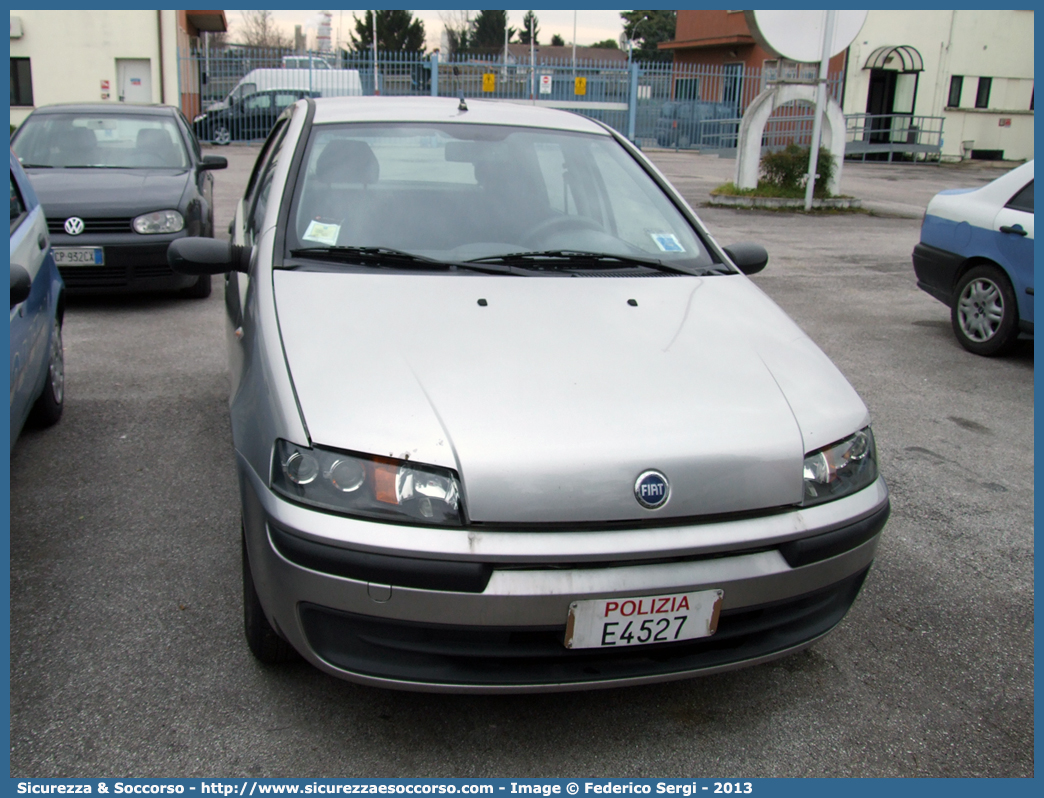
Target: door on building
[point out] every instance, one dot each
(134, 80)
(890, 102)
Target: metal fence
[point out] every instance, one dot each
(683, 106)
(878, 135)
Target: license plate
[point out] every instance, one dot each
(603, 623)
(79, 256)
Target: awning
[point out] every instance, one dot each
(901, 58)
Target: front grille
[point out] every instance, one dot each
(103, 224)
(93, 276)
(470, 655)
(153, 270)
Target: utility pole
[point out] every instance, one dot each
(532, 64)
(376, 84)
(817, 123)
(574, 44)
(503, 75)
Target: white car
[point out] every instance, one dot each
(507, 418)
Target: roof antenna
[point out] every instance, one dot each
(463, 105)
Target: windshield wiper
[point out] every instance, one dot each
(385, 256)
(573, 259)
(37, 166)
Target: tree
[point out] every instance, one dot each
(557, 41)
(397, 31)
(487, 30)
(259, 29)
(647, 29)
(457, 25)
(523, 34)
(607, 44)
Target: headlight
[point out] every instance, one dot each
(159, 222)
(199, 118)
(371, 487)
(840, 469)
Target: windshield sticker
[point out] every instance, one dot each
(667, 242)
(322, 232)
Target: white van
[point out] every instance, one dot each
(305, 62)
(328, 82)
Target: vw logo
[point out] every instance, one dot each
(74, 225)
(652, 490)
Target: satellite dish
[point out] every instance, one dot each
(798, 35)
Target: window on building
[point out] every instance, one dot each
(982, 96)
(21, 82)
(956, 86)
(686, 88)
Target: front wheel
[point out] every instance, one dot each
(985, 312)
(48, 408)
(265, 643)
(222, 135)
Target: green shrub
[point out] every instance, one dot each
(787, 169)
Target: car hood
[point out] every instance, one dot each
(555, 394)
(107, 192)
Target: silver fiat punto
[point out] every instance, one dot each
(507, 418)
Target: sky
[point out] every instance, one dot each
(591, 25)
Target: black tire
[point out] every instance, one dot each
(265, 643)
(985, 313)
(48, 407)
(201, 289)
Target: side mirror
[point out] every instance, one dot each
(749, 258)
(207, 256)
(21, 284)
(213, 162)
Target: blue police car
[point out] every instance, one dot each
(976, 255)
(37, 306)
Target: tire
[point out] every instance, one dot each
(985, 312)
(222, 135)
(48, 407)
(265, 643)
(201, 289)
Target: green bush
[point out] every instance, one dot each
(787, 169)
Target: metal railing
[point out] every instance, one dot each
(879, 134)
(682, 106)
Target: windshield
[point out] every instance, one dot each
(459, 192)
(98, 140)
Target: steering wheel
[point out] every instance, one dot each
(558, 224)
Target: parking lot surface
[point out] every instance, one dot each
(127, 652)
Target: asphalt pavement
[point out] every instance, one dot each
(127, 652)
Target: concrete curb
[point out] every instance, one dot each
(781, 203)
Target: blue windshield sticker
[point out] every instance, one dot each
(667, 242)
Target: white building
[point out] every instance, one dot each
(973, 68)
(114, 56)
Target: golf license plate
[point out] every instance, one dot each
(601, 623)
(79, 256)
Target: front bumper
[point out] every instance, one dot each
(937, 271)
(132, 263)
(486, 612)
